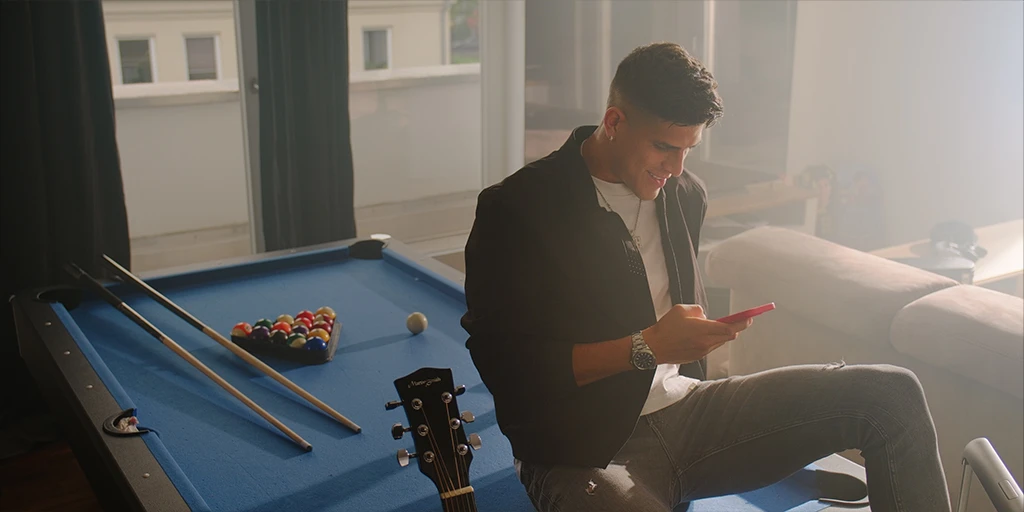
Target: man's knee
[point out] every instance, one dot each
(896, 379)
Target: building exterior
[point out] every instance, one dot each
(167, 41)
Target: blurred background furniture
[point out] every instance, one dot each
(1001, 269)
(964, 342)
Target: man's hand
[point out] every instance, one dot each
(685, 335)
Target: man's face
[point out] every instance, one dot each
(647, 151)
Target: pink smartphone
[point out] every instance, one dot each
(750, 313)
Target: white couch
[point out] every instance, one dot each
(965, 343)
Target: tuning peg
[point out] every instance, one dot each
(397, 430)
(404, 457)
(459, 390)
(394, 404)
(474, 441)
(467, 417)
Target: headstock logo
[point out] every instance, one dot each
(426, 382)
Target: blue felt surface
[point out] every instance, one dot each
(222, 456)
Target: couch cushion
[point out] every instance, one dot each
(850, 291)
(971, 331)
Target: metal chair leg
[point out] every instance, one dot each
(981, 459)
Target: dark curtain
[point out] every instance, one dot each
(61, 196)
(305, 148)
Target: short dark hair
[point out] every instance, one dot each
(665, 81)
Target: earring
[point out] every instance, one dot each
(611, 138)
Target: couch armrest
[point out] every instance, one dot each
(853, 292)
(971, 331)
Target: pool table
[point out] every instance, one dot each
(208, 451)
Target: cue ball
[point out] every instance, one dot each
(416, 323)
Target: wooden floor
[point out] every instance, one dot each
(45, 479)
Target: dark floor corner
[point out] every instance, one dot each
(46, 478)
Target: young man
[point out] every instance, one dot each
(586, 323)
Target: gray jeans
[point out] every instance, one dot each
(742, 433)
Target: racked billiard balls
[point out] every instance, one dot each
(288, 319)
(416, 323)
(260, 333)
(263, 322)
(278, 337)
(318, 333)
(296, 340)
(241, 330)
(326, 311)
(281, 326)
(316, 343)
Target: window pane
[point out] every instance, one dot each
(136, 67)
(183, 163)
(375, 49)
(416, 144)
(202, 58)
(465, 15)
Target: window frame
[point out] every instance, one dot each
(388, 42)
(185, 36)
(151, 39)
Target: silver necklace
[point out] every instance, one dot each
(636, 221)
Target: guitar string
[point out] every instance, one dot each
(459, 460)
(451, 435)
(438, 457)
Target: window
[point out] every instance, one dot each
(465, 31)
(180, 135)
(201, 55)
(136, 63)
(377, 49)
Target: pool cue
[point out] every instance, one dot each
(120, 305)
(230, 345)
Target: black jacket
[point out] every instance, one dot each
(547, 268)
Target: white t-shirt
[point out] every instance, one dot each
(668, 386)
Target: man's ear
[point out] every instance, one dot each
(613, 120)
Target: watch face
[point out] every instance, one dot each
(644, 360)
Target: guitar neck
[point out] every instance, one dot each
(461, 500)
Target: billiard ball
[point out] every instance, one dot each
(305, 321)
(300, 328)
(323, 318)
(241, 329)
(416, 323)
(278, 337)
(305, 314)
(281, 326)
(263, 322)
(316, 343)
(326, 311)
(296, 340)
(260, 333)
(318, 333)
(288, 319)
(322, 325)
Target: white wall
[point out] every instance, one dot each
(415, 133)
(926, 93)
(182, 161)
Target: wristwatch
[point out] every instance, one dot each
(642, 356)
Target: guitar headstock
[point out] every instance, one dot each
(443, 452)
